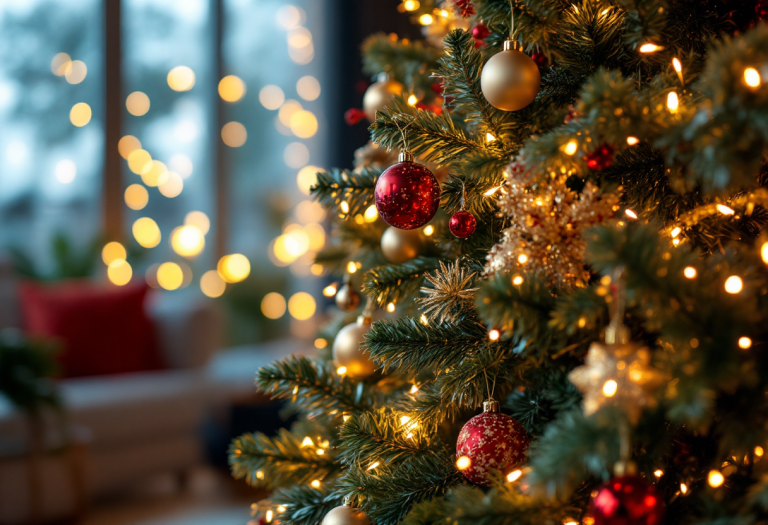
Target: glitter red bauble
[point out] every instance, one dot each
(627, 500)
(493, 442)
(601, 158)
(462, 224)
(407, 195)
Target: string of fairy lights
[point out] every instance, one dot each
(732, 284)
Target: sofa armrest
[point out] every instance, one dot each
(189, 328)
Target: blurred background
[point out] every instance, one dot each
(157, 238)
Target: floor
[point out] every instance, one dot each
(211, 497)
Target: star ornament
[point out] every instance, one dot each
(617, 375)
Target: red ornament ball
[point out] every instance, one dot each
(407, 195)
(540, 58)
(627, 500)
(601, 158)
(493, 442)
(480, 32)
(353, 115)
(462, 224)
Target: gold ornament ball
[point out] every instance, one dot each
(347, 352)
(346, 515)
(399, 246)
(347, 299)
(379, 95)
(510, 80)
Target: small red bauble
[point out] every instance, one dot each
(407, 195)
(601, 158)
(493, 442)
(627, 500)
(462, 224)
(540, 58)
(480, 32)
(353, 115)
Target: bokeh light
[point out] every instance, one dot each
(234, 134)
(316, 234)
(76, 71)
(181, 78)
(139, 160)
(231, 88)
(308, 88)
(65, 171)
(303, 124)
(170, 276)
(181, 164)
(136, 196)
(288, 16)
(60, 63)
(154, 174)
(271, 97)
(128, 144)
(212, 285)
(80, 114)
(199, 220)
(146, 232)
(187, 241)
(273, 305)
(307, 178)
(234, 268)
(16, 152)
(301, 306)
(172, 186)
(296, 155)
(137, 103)
(113, 251)
(119, 272)
(287, 110)
(309, 211)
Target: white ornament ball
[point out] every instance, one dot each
(346, 515)
(510, 80)
(347, 352)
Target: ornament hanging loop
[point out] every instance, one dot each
(405, 154)
(463, 196)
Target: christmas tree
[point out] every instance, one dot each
(575, 336)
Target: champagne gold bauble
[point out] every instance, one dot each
(510, 80)
(346, 515)
(347, 352)
(347, 299)
(379, 95)
(399, 246)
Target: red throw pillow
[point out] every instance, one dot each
(103, 330)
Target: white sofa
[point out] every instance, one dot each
(139, 424)
(136, 425)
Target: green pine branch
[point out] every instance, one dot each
(314, 387)
(403, 59)
(502, 505)
(383, 437)
(407, 346)
(398, 283)
(336, 186)
(433, 137)
(279, 461)
(303, 504)
(388, 493)
(572, 449)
